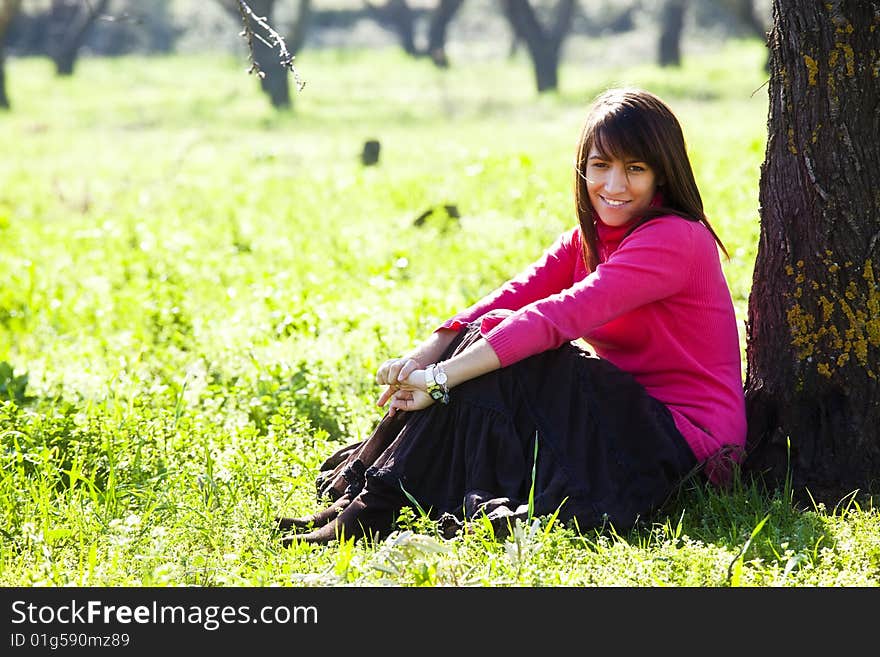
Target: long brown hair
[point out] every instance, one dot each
(633, 123)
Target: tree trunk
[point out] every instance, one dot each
(69, 25)
(274, 81)
(440, 20)
(4, 99)
(813, 335)
(671, 26)
(745, 12)
(8, 11)
(544, 45)
(546, 62)
(400, 16)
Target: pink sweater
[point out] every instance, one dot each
(657, 306)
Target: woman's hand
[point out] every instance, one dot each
(392, 373)
(406, 393)
(409, 399)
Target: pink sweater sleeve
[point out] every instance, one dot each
(650, 264)
(551, 273)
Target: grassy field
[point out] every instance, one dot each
(197, 292)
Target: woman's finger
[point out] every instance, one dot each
(381, 372)
(410, 400)
(386, 373)
(408, 367)
(401, 400)
(386, 395)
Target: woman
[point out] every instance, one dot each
(500, 391)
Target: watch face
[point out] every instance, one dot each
(440, 378)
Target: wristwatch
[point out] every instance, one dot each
(435, 383)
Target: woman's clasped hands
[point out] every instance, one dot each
(404, 379)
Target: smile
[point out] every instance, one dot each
(613, 203)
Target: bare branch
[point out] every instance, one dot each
(271, 39)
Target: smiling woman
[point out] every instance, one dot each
(623, 189)
(498, 413)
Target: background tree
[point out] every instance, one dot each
(264, 46)
(745, 15)
(8, 12)
(69, 24)
(441, 17)
(671, 27)
(813, 350)
(401, 18)
(744, 11)
(544, 43)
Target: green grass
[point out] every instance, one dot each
(197, 292)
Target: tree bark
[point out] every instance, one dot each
(813, 333)
(69, 24)
(8, 11)
(671, 26)
(440, 20)
(544, 45)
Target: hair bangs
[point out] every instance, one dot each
(618, 135)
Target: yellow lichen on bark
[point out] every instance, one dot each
(872, 328)
(812, 70)
(800, 324)
(844, 326)
(827, 308)
(848, 56)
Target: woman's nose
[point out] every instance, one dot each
(616, 180)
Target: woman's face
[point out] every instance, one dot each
(619, 190)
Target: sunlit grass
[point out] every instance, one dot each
(197, 291)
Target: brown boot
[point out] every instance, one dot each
(316, 519)
(358, 520)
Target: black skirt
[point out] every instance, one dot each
(566, 430)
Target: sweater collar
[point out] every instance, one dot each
(610, 237)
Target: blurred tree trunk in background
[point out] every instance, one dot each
(745, 12)
(544, 45)
(399, 15)
(440, 19)
(8, 12)
(671, 26)
(69, 23)
(813, 333)
(400, 18)
(274, 82)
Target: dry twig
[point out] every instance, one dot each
(248, 17)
